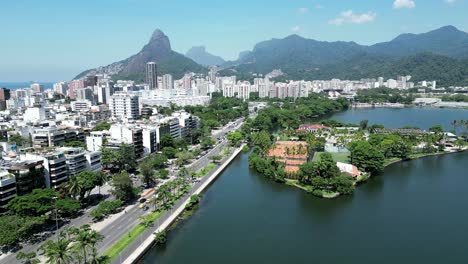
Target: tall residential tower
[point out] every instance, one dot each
(152, 75)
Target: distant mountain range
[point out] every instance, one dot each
(159, 50)
(441, 55)
(201, 56)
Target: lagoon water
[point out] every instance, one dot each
(415, 212)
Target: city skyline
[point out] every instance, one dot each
(47, 44)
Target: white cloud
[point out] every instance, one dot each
(303, 10)
(449, 1)
(295, 29)
(354, 18)
(404, 4)
(318, 6)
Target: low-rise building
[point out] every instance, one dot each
(93, 160)
(47, 137)
(7, 188)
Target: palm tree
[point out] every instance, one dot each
(454, 123)
(57, 252)
(86, 238)
(73, 186)
(101, 180)
(300, 149)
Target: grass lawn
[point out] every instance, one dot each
(118, 247)
(205, 170)
(339, 157)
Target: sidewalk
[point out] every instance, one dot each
(137, 248)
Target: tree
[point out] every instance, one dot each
(77, 144)
(159, 161)
(73, 187)
(167, 141)
(183, 157)
(16, 228)
(343, 184)
(169, 152)
(262, 140)
(366, 157)
(161, 237)
(146, 220)
(85, 240)
(363, 124)
(437, 129)
(37, 203)
(101, 179)
(87, 180)
(215, 158)
(102, 126)
(122, 186)
(234, 138)
(58, 252)
(105, 208)
(27, 258)
(163, 174)
(18, 140)
(67, 206)
(207, 142)
(460, 143)
(146, 170)
(120, 159)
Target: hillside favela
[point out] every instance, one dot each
(170, 132)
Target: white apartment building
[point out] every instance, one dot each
(34, 114)
(75, 159)
(93, 161)
(55, 166)
(81, 105)
(7, 188)
(125, 106)
(95, 140)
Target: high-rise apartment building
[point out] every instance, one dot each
(125, 106)
(167, 82)
(152, 75)
(38, 88)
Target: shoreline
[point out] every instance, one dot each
(296, 184)
(148, 242)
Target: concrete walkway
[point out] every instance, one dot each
(139, 246)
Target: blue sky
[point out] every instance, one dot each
(52, 40)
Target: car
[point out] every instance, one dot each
(142, 200)
(143, 205)
(145, 208)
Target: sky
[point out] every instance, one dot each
(54, 40)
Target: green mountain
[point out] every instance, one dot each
(437, 55)
(447, 41)
(158, 50)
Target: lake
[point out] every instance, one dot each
(415, 212)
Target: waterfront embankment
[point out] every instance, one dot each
(135, 250)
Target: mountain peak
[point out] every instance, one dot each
(201, 56)
(157, 35)
(197, 49)
(447, 28)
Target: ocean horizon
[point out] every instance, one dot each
(21, 85)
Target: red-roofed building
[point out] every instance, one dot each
(312, 128)
(349, 169)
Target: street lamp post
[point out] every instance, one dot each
(56, 216)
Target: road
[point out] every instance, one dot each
(168, 216)
(126, 222)
(122, 224)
